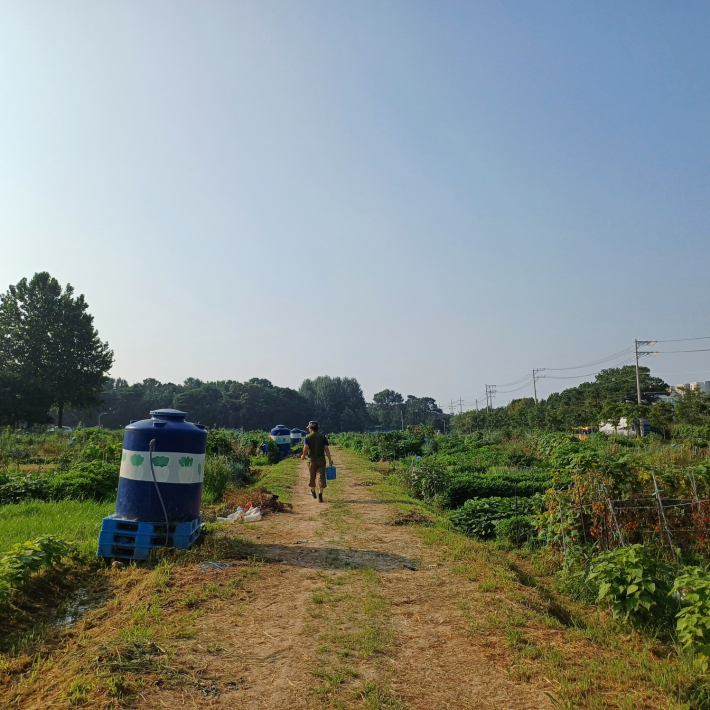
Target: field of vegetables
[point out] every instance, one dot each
(622, 523)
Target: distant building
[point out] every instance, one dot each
(624, 428)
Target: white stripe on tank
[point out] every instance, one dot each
(169, 466)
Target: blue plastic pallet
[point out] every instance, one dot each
(132, 540)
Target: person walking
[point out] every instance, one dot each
(316, 448)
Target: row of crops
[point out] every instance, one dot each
(624, 521)
(485, 479)
(55, 488)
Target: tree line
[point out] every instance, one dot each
(611, 396)
(54, 367)
(337, 403)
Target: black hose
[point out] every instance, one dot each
(151, 447)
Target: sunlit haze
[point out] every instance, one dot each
(427, 196)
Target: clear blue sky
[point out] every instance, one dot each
(428, 196)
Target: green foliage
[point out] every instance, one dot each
(231, 445)
(219, 443)
(47, 337)
(220, 471)
(693, 620)
(24, 559)
(386, 446)
(427, 478)
(16, 486)
(517, 530)
(75, 521)
(583, 406)
(480, 517)
(462, 486)
(336, 402)
(93, 480)
(633, 581)
(22, 400)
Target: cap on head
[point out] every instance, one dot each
(313, 425)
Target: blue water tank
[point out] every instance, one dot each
(178, 462)
(281, 434)
(297, 436)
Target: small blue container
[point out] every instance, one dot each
(297, 436)
(330, 473)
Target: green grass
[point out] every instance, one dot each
(281, 478)
(77, 521)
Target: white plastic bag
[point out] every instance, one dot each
(238, 513)
(252, 515)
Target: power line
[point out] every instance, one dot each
(517, 389)
(589, 374)
(514, 382)
(682, 340)
(702, 350)
(595, 362)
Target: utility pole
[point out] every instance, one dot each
(490, 392)
(537, 377)
(638, 379)
(460, 406)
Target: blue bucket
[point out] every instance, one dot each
(330, 473)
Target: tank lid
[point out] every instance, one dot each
(168, 414)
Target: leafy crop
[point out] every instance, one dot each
(16, 486)
(92, 480)
(517, 529)
(26, 558)
(479, 517)
(95, 480)
(693, 620)
(161, 461)
(633, 581)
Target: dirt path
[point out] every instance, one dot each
(337, 620)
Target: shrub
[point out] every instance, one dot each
(95, 480)
(633, 581)
(26, 558)
(427, 478)
(220, 471)
(219, 442)
(517, 530)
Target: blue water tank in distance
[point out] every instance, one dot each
(178, 462)
(297, 436)
(281, 435)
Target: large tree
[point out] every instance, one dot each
(337, 402)
(48, 338)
